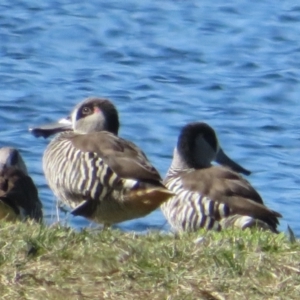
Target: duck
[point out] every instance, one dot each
(18, 194)
(96, 173)
(214, 197)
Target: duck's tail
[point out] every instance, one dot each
(243, 222)
(147, 200)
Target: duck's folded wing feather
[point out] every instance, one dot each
(221, 185)
(217, 182)
(122, 156)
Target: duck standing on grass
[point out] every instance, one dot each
(18, 194)
(99, 175)
(207, 196)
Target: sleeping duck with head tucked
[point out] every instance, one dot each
(211, 196)
(96, 173)
(18, 194)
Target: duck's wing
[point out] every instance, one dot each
(128, 162)
(224, 186)
(122, 156)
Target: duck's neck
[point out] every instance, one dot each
(178, 164)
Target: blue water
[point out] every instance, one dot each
(163, 63)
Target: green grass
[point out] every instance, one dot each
(39, 262)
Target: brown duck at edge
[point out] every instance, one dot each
(18, 194)
(208, 196)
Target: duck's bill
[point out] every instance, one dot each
(224, 160)
(52, 128)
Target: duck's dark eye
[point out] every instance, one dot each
(86, 110)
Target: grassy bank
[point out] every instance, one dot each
(58, 263)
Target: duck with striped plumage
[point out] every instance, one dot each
(97, 174)
(18, 194)
(210, 196)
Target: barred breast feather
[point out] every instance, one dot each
(189, 211)
(77, 175)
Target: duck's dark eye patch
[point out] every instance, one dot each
(210, 136)
(86, 110)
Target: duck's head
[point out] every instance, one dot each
(10, 157)
(198, 146)
(92, 114)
